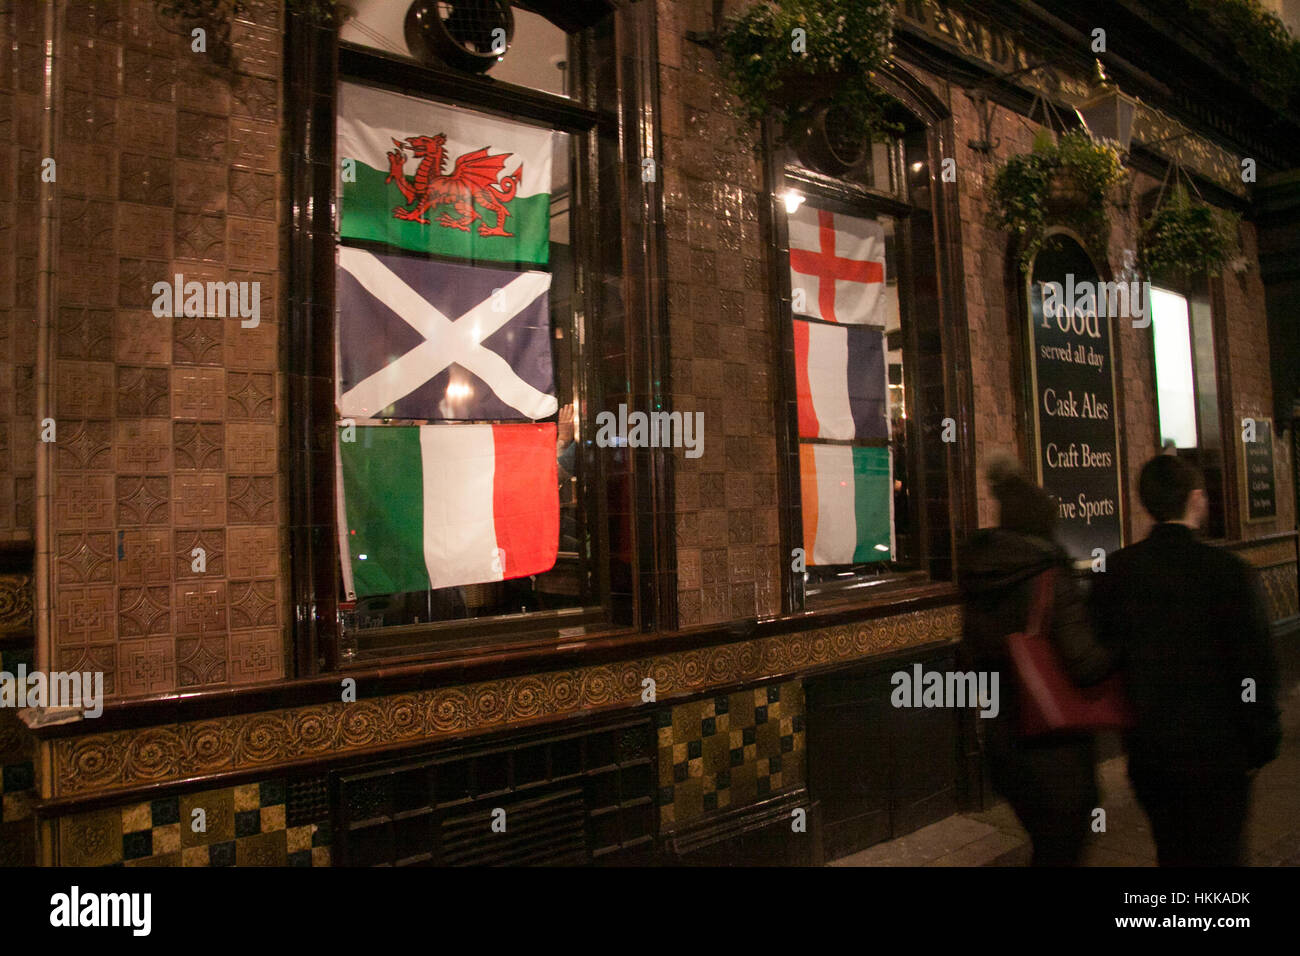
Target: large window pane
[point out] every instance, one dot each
(855, 490)
(1175, 380)
(458, 360)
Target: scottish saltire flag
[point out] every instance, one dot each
(837, 265)
(848, 503)
(418, 338)
(840, 380)
(438, 179)
(435, 506)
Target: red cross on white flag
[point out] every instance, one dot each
(838, 262)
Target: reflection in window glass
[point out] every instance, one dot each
(1175, 382)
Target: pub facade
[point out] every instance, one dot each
(473, 440)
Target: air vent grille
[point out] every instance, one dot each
(568, 798)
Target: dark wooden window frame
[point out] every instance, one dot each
(1204, 292)
(628, 542)
(1197, 292)
(944, 504)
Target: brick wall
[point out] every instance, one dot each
(723, 321)
(1248, 356)
(168, 429)
(20, 85)
(722, 336)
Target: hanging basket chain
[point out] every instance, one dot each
(1182, 234)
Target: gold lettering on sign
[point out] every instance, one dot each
(972, 35)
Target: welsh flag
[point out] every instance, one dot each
(837, 266)
(848, 503)
(435, 506)
(437, 179)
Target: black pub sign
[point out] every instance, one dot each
(1073, 390)
(1259, 476)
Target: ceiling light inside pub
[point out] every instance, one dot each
(793, 200)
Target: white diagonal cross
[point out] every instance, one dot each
(445, 341)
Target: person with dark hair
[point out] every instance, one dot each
(1191, 637)
(1050, 782)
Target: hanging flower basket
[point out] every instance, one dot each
(1064, 191)
(796, 91)
(785, 59)
(1185, 236)
(1068, 180)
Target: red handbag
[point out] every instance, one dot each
(1050, 703)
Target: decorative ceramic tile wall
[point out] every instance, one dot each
(729, 751)
(1278, 584)
(728, 532)
(17, 775)
(168, 428)
(248, 825)
(101, 762)
(19, 178)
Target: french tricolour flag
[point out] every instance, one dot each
(435, 506)
(837, 265)
(840, 380)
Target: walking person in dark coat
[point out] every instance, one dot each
(1050, 782)
(1190, 632)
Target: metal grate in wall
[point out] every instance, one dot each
(557, 799)
(307, 800)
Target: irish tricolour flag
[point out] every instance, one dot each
(437, 179)
(435, 506)
(848, 503)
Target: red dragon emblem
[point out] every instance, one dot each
(472, 181)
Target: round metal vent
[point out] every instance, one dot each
(469, 35)
(834, 142)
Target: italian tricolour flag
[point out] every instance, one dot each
(435, 506)
(848, 503)
(369, 121)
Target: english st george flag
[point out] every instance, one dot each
(837, 262)
(848, 504)
(438, 179)
(840, 382)
(435, 506)
(425, 339)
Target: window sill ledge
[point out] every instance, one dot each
(529, 656)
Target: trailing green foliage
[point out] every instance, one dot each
(1023, 189)
(773, 69)
(1187, 236)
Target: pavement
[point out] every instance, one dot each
(993, 837)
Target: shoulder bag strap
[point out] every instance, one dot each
(1040, 609)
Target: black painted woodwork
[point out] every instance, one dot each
(879, 772)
